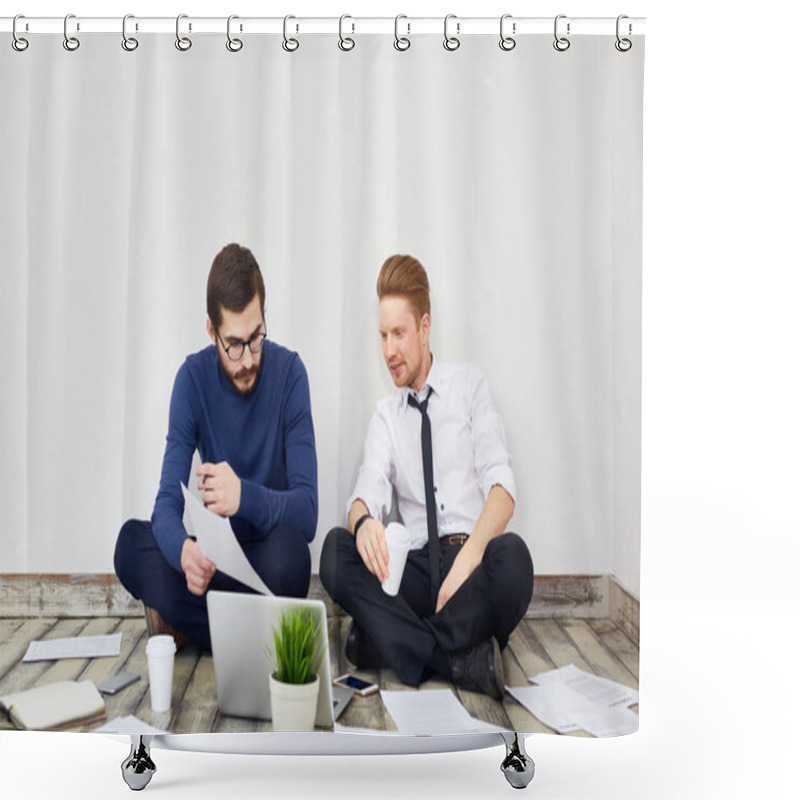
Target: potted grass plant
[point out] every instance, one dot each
(294, 680)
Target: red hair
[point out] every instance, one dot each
(404, 276)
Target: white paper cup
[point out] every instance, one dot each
(160, 664)
(399, 542)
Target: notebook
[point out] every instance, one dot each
(241, 624)
(63, 704)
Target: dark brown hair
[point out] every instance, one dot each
(404, 276)
(234, 280)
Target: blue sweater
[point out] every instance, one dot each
(267, 437)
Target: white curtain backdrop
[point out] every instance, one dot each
(515, 177)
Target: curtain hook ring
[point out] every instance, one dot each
(183, 43)
(289, 44)
(128, 42)
(561, 43)
(623, 44)
(70, 42)
(451, 42)
(507, 42)
(401, 42)
(18, 42)
(346, 43)
(233, 45)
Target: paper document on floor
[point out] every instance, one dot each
(569, 699)
(564, 710)
(430, 711)
(219, 543)
(128, 725)
(555, 706)
(337, 726)
(74, 647)
(592, 687)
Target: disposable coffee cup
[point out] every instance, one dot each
(160, 664)
(398, 541)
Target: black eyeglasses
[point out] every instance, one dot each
(235, 350)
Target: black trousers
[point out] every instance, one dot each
(404, 628)
(281, 558)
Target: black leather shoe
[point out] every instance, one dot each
(361, 651)
(480, 669)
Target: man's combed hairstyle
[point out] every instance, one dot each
(404, 276)
(234, 280)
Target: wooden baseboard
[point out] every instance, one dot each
(79, 595)
(100, 595)
(574, 596)
(624, 609)
(74, 595)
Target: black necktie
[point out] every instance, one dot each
(430, 500)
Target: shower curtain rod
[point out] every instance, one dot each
(347, 25)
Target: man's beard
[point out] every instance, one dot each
(254, 370)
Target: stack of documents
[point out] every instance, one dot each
(570, 699)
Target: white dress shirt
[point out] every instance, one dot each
(469, 453)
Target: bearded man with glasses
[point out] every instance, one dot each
(243, 404)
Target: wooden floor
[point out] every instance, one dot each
(537, 645)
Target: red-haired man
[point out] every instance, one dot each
(466, 583)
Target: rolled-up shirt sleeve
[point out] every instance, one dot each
(492, 459)
(376, 474)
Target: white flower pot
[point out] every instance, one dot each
(294, 706)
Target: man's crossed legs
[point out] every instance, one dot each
(415, 642)
(281, 558)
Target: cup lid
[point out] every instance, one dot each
(163, 644)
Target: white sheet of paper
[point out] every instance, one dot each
(337, 726)
(74, 647)
(599, 690)
(431, 711)
(610, 721)
(555, 706)
(219, 543)
(565, 710)
(129, 724)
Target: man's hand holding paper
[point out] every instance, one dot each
(198, 569)
(218, 546)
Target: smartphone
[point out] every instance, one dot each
(117, 682)
(362, 688)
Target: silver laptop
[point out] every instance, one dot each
(241, 624)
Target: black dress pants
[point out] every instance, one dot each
(405, 628)
(281, 558)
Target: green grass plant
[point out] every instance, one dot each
(296, 655)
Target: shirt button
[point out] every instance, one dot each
(442, 506)
(435, 488)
